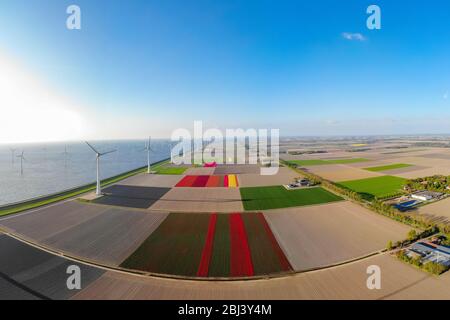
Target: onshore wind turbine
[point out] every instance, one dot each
(148, 148)
(22, 158)
(98, 155)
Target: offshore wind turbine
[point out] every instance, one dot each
(148, 148)
(65, 153)
(22, 159)
(98, 156)
(13, 153)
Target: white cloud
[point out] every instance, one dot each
(353, 36)
(445, 96)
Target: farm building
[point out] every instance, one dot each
(430, 252)
(425, 195)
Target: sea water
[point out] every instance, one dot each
(53, 167)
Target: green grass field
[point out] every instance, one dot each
(377, 187)
(322, 162)
(388, 167)
(169, 170)
(261, 198)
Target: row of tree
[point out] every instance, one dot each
(437, 183)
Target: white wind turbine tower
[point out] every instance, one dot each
(66, 154)
(99, 154)
(22, 159)
(13, 153)
(148, 148)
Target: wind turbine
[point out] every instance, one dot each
(148, 148)
(65, 153)
(13, 152)
(22, 159)
(98, 155)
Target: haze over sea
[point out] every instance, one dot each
(47, 169)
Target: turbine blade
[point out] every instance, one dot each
(108, 152)
(92, 147)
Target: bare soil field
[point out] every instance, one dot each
(49, 221)
(200, 200)
(339, 172)
(284, 176)
(439, 209)
(130, 196)
(199, 171)
(342, 282)
(237, 169)
(320, 235)
(107, 236)
(397, 172)
(425, 172)
(152, 180)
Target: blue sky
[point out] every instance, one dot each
(148, 67)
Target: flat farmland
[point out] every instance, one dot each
(152, 180)
(102, 234)
(337, 172)
(236, 169)
(211, 245)
(388, 167)
(284, 176)
(263, 198)
(322, 235)
(200, 200)
(378, 187)
(343, 282)
(439, 209)
(174, 248)
(316, 162)
(200, 171)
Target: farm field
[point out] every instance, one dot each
(130, 196)
(440, 210)
(317, 236)
(284, 176)
(211, 245)
(200, 200)
(316, 162)
(263, 198)
(174, 248)
(214, 181)
(389, 167)
(99, 233)
(339, 172)
(236, 169)
(343, 282)
(170, 170)
(378, 187)
(152, 180)
(199, 171)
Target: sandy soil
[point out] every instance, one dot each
(339, 172)
(284, 176)
(319, 235)
(200, 200)
(343, 282)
